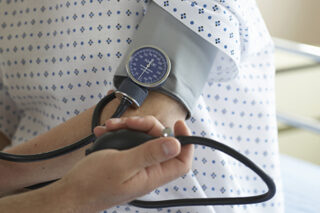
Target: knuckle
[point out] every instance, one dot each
(186, 168)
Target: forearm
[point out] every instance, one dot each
(4, 141)
(164, 108)
(18, 175)
(137, 172)
(54, 198)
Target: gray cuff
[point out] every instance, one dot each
(191, 56)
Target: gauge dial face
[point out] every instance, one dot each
(148, 66)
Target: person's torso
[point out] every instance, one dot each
(58, 59)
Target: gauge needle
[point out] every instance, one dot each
(148, 70)
(145, 68)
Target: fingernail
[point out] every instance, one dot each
(116, 120)
(169, 147)
(103, 127)
(136, 118)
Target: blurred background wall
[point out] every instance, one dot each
(298, 90)
(297, 20)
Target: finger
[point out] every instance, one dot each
(180, 128)
(157, 175)
(147, 124)
(176, 167)
(166, 171)
(111, 124)
(99, 130)
(116, 123)
(110, 91)
(150, 153)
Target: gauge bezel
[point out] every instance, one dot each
(149, 85)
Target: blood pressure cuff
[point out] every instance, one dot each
(192, 57)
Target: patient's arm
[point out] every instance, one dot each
(137, 171)
(4, 141)
(18, 175)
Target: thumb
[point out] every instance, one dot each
(153, 152)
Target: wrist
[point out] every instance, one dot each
(74, 195)
(66, 195)
(166, 109)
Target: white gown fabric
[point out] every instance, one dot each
(58, 58)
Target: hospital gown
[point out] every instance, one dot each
(58, 58)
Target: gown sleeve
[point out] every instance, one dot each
(194, 58)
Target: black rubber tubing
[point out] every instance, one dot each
(70, 148)
(123, 106)
(215, 201)
(183, 140)
(124, 139)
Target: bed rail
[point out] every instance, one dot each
(309, 51)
